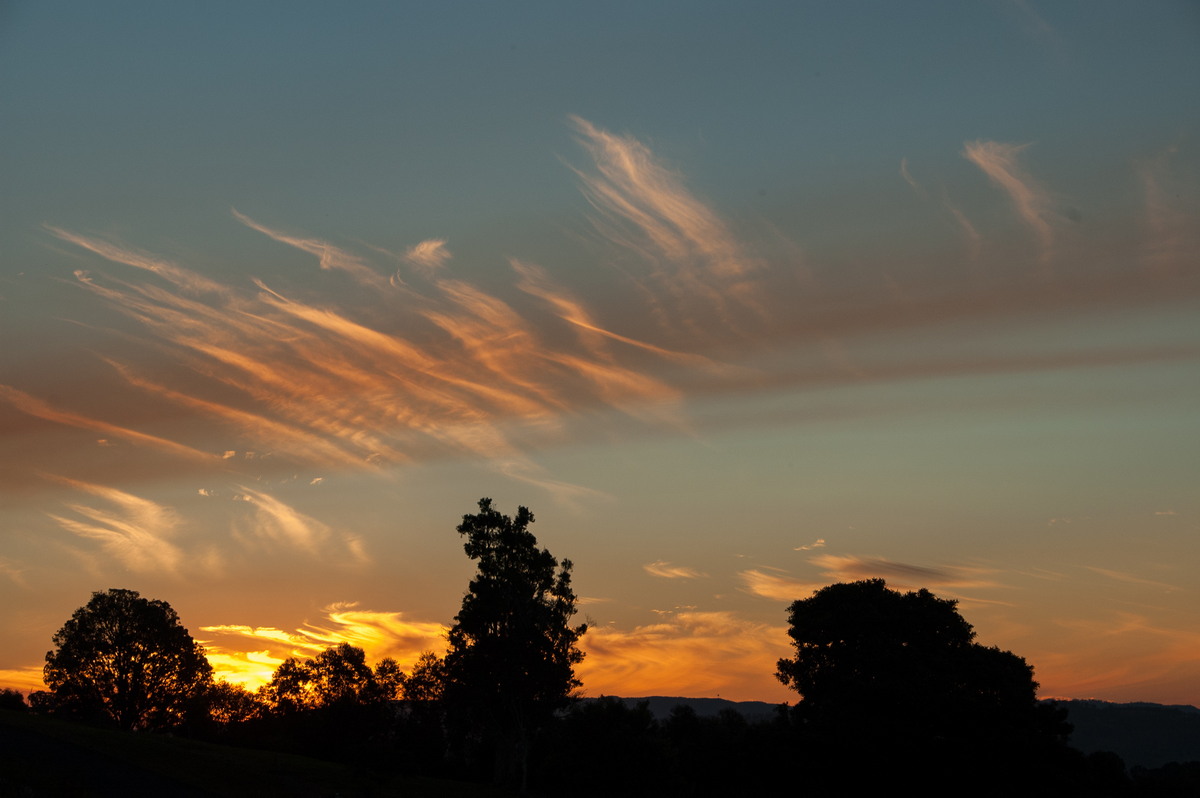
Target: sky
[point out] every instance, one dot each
(739, 300)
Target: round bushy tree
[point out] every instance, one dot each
(128, 660)
(898, 679)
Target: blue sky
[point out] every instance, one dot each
(740, 300)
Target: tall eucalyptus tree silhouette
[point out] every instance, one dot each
(510, 664)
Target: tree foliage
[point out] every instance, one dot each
(230, 704)
(863, 649)
(512, 653)
(426, 683)
(12, 699)
(900, 676)
(127, 659)
(338, 676)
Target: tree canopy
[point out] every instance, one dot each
(865, 650)
(338, 676)
(898, 676)
(127, 659)
(510, 663)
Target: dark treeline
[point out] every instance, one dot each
(894, 692)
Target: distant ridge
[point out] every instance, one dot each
(661, 706)
(1141, 733)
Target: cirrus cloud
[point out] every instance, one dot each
(666, 570)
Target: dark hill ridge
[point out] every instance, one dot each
(661, 706)
(1149, 735)
(1142, 734)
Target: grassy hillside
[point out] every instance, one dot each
(42, 757)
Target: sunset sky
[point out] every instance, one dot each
(739, 299)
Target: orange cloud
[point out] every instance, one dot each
(329, 256)
(429, 255)
(278, 523)
(40, 409)
(13, 571)
(275, 526)
(379, 634)
(26, 680)
(181, 277)
(905, 576)
(137, 533)
(1118, 658)
(819, 543)
(443, 368)
(777, 586)
(688, 654)
(668, 571)
(1122, 576)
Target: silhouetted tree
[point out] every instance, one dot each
(510, 664)
(338, 676)
(623, 742)
(427, 681)
(423, 734)
(898, 676)
(127, 659)
(333, 705)
(861, 647)
(389, 680)
(42, 702)
(12, 699)
(288, 691)
(230, 703)
(341, 676)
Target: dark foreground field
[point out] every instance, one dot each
(45, 757)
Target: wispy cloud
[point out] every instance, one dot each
(135, 531)
(667, 570)
(1169, 221)
(280, 524)
(908, 178)
(819, 543)
(1117, 657)
(435, 366)
(774, 584)
(275, 525)
(379, 634)
(686, 653)
(330, 257)
(39, 408)
(318, 384)
(971, 235)
(429, 255)
(1125, 576)
(1000, 162)
(181, 277)
(12, 570)
(849, 568)
(691, 252)
(25, 679)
